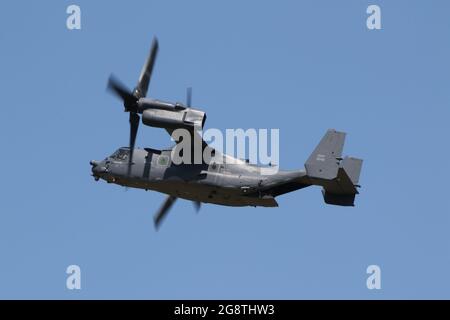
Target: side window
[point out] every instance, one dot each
(122, 156)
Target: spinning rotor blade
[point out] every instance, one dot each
(197, 205)
(188, 97)
(134, 125)
(142, 86)
(122, 92)
(130, 99)
(164, 210)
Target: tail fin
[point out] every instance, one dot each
(338, 177)
(352, 166)
(323, 163)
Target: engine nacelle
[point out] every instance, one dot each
(146, 103)
(174, 119)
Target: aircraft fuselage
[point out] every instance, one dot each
(236, 184)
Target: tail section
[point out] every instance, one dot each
(338, 177)
(323, 163)
(352, 166)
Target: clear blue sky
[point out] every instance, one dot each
(300, 66)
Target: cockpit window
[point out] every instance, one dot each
(120, 155)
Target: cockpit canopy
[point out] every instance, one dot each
(121, 154)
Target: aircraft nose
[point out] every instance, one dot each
(93, 163)
(97, 169)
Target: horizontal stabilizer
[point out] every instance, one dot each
(339, 200)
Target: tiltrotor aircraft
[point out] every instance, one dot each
(236, 184)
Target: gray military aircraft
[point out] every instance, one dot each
(229, 183)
